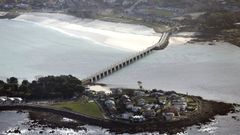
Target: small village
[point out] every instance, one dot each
(130, 105)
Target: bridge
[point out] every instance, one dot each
(161, 44)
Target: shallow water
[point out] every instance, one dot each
(28, 50)
(10, 120)
(209, 71)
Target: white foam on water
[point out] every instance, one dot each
(117, 35)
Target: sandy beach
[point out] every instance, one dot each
(117, 35)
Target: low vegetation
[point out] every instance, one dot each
(216, 26)
(89, 108)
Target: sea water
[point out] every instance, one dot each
(212, 72)
(28, 50)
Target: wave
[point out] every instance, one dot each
(116, 35)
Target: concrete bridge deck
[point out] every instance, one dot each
(161, 44)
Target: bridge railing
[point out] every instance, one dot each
(162, 41)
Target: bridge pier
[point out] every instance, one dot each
(98, 77)
(162, 43)
(105, 73)
(120, 66)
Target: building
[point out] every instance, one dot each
(180, 103)
(157, 94)
(90, 92)
(110, 105)
(17, 100)
(129, 106)
(141, 102)
(151, 106)
(22, 6)
(149, 113)
(101, 95)
(126, 100)
(139, 93)
(9, 101)
(126, 115)
(2, 100)
(117, 91)
(170, 113)
(137, 118)
(136, 109)
(168, 116)
(125, 97)
(162, 101)
(174, 96)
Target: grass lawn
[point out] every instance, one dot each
(149, 99)
(160, 12)
(83, 107)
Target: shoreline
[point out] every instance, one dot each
(130, 37)
(109, 41)
(8, 15)
(208, 110)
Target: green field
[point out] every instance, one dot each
(150, 100)
(160, 12)
(83, 107)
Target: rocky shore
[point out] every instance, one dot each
(208, 109)
(213, 26)
(46, 119)
(8, 15)
(54, 119)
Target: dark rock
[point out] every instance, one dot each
(234, 117)
(16, 131)
(51, 132)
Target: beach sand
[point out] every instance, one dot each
(117, 35)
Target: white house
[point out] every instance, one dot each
(136, 109)
(126, 116)
(180, 103)
(117, 91)
(129, 106)
(139, 93)
(126, 100)
(149, 113)
(141, 102)
(110, 105)
(147, 106)
(157, 94)
(10, 100)
(168, 116)
(162, 101)
(137, 118)
(17, 100)
(2, 100)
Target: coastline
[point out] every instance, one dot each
(208, 110)
(156, 127)
(8, 15)
(123, 36)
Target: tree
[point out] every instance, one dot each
(2, 85)
(44, 88)
(12, 85)
(25, 83)
(12, 80)
(24, 90)
(140, 85)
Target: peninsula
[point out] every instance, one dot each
(122, 110)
